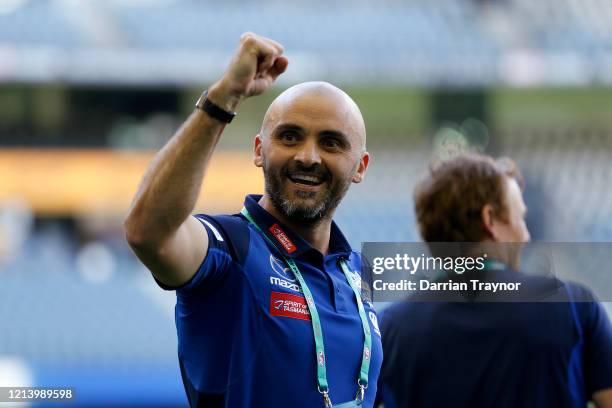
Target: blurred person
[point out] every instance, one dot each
(269, 312)
(503, 354)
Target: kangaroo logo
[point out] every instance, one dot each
(280, 269)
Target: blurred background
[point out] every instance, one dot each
(89, 90)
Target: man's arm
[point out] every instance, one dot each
(158, 226)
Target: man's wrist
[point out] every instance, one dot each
(223, 98)
(216, 112)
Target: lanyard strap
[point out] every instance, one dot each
(317, 330)
(367, 341)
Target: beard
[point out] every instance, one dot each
(304, 207)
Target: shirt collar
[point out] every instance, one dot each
(290, 243)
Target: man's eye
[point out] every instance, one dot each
(289, 136)
(331, 143)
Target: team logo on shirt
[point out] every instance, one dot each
(288, 305)
(281, 269)
(284, 277)
(283, 239)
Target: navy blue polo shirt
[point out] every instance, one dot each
(512, 354)
(244, 332)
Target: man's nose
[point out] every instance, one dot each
(308, 154)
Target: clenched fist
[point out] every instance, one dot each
(255, 66)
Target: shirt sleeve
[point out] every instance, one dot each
(216, 263)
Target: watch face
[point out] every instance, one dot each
(200, 102)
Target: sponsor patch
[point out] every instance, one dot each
(285, 284)
(281, 237)
(288, 305)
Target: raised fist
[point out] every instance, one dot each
(255, 66)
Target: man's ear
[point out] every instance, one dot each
(361, 169)
(257, 157)
(489, 222)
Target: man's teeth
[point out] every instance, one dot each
(307, 179)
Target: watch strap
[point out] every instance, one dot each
(214, 111)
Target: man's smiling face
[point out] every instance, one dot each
(311, 148)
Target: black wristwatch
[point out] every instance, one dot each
(213, 110)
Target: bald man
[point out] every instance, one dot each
(270, 311)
